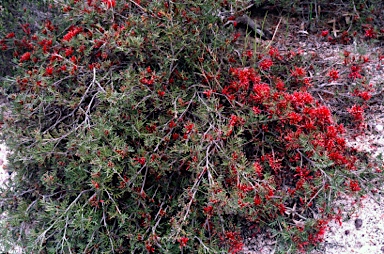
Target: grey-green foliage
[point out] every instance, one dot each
(13, 14)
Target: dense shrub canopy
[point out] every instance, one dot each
(140, 127)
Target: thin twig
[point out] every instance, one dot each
(274, 34)
(42, 235)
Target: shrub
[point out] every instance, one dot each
(138, 128)
(18, 18)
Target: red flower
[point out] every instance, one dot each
(274, 53)
(270, 194)
(323, 114)
(175, 136)
(281, 208)
(256, 110)
(303, 173)
(370, 33)
(249, 53)
(307, 82)
(365, 59)
(189, 127)
(261, 92)
(333, 74)
(355, 75)
(298, 72)
(332, 131)
(338, 158)
(68, 51)
(354, 185)
(233, 121)
(149, 248)
(208, 210)
(258, 169)
(236, 36)
(140, 160)
(146, 81)
(25, 57)
(324, 33)
(365, 95)
(299, 99)
(63, 68)
(294, 118)
(95, 184)
(357, 112)
(10, 35)
(266, 64)
(208, 93)
(26, 28)
(68, 36)
(48, 71)
(109, 3)
(355, 68)
(73, 59)
(72, 33)
(232, 18)
(183, 241)
(172, 124)
(280, 85)
(49, 26)
(235, 242)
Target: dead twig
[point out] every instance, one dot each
(274, 34)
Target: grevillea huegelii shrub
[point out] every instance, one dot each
(138, 128)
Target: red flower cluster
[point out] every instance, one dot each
(140, 160)
(25, 57)
(365, 95)
(10, 35)
(234, 120)
(324, 33)
(298, 72)
(45, 44)
(245, 75)
(265, 64)
(354, 185)
(370, 33)
(333, 74)
(73, 31)
(48, 71)
(236, 36)
(258, 169)
(357, 113)
(69, 51)
(208, 210)
(208, 93)
(109, 3)
(261, 92)
(183, 241)
(189, 127)
(355, 72)
(274, 53)
(235, 242)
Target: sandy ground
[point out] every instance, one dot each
(3, 175)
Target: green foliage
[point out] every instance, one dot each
(139, 129)
(14, 17)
